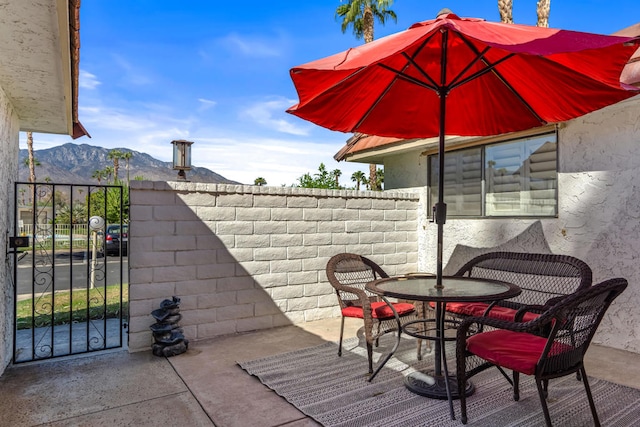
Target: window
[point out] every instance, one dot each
(462, 182)
(513, 178)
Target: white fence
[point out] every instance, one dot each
(61, 234)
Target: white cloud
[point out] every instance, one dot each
(114, 120)
(265, 114)
(238, 157)
(236, 151)
(206, 104)
(86, 80)
(257, 47)
(157, 142)
(280, 162)
(131, 74)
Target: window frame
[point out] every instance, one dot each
(432, 195)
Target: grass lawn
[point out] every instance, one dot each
(68, 307)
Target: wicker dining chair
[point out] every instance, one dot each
(517, 346)
(348, 274)
(543, 278)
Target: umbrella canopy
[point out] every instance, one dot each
(465, 77)
(497, 78)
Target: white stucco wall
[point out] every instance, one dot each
(9, 137)
(406, 170)
(598, 215)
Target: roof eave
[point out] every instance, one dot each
(77, 129)
(39, 64)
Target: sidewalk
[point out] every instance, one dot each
(98, 334)
(203, 387)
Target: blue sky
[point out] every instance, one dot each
(217, 73)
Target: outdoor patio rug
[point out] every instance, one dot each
(335, 392)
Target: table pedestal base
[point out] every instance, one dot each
(433, 386)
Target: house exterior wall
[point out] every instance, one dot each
(9, 146)
(598, 214)
(242, 258)
(405, 170)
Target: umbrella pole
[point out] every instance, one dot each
(441, 207)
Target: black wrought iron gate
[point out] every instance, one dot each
(70, 269)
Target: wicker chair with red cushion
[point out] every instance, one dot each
(543, 278)
(348, 274)
(518, 346)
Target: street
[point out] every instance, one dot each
(68, 270)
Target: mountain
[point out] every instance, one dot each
(75, 163)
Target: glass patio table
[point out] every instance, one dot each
(423, 288)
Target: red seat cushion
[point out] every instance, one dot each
(517, 351)
(379, 310)
(478, 309)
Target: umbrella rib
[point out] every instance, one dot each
(403, 75)
(517, 95)
(400, 74)
(491, 67)
(373, 106)
(410, 59)
(478, 57)
(424, 73)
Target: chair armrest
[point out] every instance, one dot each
(480, 322)
(553, 301)
(489, 308)
(363, 298)
(539, 309)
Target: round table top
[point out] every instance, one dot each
(456, 289)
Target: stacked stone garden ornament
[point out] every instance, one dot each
(167, 334)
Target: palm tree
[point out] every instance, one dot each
(379, 178)
(505, 7)
(365, 181)
(544, 8)
(260, 181)
(108, 171)
(127, 156)
(337, 173)
(31, 159)
(115, 155)
(98, 174)
(27, 162)
(361, 14)
(358, 177)
(22, 191)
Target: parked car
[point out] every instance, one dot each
(114, 238)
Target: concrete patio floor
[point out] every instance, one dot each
(203, 387)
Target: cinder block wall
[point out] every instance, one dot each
(243, 258)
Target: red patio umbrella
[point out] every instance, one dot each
(465, 77)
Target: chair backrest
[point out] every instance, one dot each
(349, 271)
(540, 276)
(575, 320)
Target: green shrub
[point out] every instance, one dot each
(66, 307)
